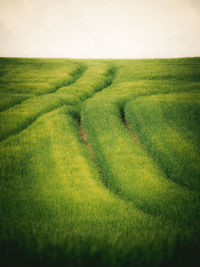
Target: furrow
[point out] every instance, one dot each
(166, 139)
(13, 102)
(75, 77)
(128, 128)
(103, 177)
(80, 183)
(84, 138)
(17, 120)
(28, 123)
(128, 170)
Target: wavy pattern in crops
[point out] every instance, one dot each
(130, 201)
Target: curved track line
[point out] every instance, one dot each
(89, 148)
(149, 153)
(31, 121)
(142, 146)
(128, 128)
(84, 138)
(76, 75)
(15, 103)
(109, 171)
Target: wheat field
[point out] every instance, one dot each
(99, 162)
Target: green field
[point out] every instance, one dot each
(99, 162)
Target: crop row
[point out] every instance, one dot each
(130, 201)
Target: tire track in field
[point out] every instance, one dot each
(156, 160)
(15, 103)
(83, 135)
(84, 138)
(76, 75)
(85, 141)
(30, 121)
(102, 177)
(129, 130)
(109, 173)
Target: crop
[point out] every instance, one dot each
(99, 162)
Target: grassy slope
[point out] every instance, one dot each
(175, 143)
(36, 76)
(54, 207)
(18, 117)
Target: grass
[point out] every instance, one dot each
(174, 144)
(130, 201)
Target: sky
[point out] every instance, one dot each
(100, 28)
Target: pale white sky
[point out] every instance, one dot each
(100, 28)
